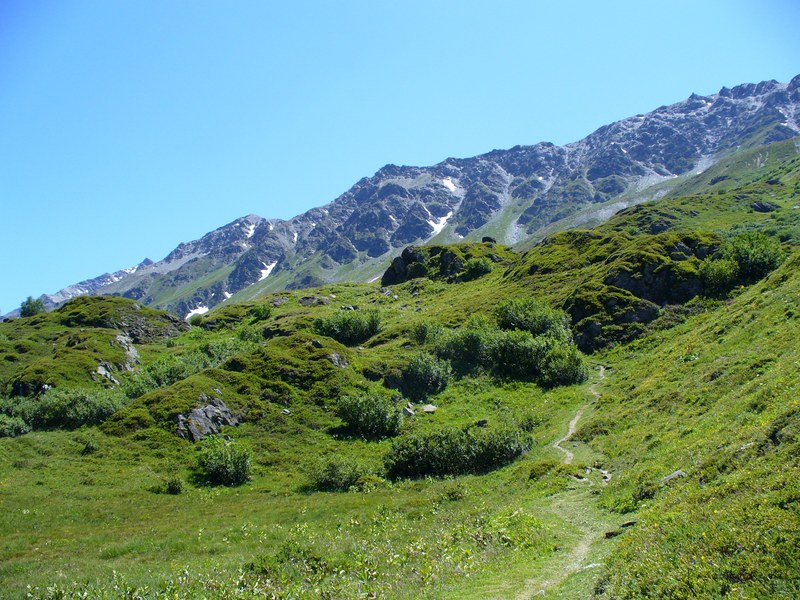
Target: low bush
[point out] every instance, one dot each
(12, 426)
(337, 473)
(466, 348)
(425, 332)
(261, 312)
(756, 254)
(517, 354)
(533, 316)
(425, 375)
(477, 267)
(65, 408)
(174, 368)
(454, 451)
(541, 468)
(370, 415)
(224, 462)
(718, 275)
(349, 327)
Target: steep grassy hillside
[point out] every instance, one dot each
(441, 436)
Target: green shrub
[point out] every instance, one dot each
(349, 327)
(370, 415)
(12, 426)
(30, 307)
(755, 253)
(337, 473)
(719, 275)
(562, 364)
(250, 333)
(533, 316)
(425, 375)
(477, 267)
(517, 354)
(224, 462)
(67, 408)
(450, 451)
(196, 320)
(425, 332)
(173, 485)
(261, 312)
(465, 348)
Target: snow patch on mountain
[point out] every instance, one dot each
(265, 272)
(200, 310)
(438, 224)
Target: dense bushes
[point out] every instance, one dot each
(224, 462)
(67, 408)
(719, 275)
(744, 258)
(12, 426)
(425, 375)
(755, 253)
(531, 315)
(454, 451)
(534, 344)
(370, 415)
(349, 327)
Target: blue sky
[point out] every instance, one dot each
(131, 126)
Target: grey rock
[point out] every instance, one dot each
(672, 476)
(408, 412)
(338, 360)
(429, 408)
(130, 351)
(316, 343)
(208, 419)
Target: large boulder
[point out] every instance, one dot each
(208, 419)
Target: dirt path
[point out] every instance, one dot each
(576, 507)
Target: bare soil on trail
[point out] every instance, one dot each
(577, 507)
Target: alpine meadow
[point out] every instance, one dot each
(560, 371)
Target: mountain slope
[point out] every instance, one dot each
(515, 196)
(707, 388)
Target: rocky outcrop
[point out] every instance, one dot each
(208, 419)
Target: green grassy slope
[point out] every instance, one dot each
(696, 381)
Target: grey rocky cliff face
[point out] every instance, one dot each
(508, 194)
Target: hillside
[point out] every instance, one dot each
(611, 413)
(517, 196)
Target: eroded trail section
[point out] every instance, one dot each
(573, 424)
(568, 455)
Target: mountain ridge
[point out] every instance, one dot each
(515, 196)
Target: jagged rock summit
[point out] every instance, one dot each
(514, 196)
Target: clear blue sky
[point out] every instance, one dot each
(127, 127)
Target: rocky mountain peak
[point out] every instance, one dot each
(511, 195)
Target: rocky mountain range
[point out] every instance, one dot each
(516, 196)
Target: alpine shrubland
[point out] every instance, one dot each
(399, 442)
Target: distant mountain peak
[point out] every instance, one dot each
(511, 195)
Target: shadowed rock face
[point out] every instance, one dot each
(525, 188)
